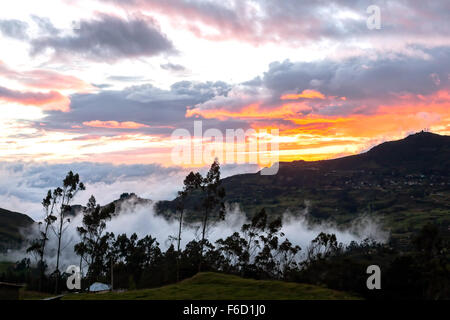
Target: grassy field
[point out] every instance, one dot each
(214, 286)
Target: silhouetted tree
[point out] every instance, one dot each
(323, 246)
(38, 245)
(232, 250)
(214, 196)
(192, 182)
(134, 256)
(251, 233)
(62, 198)
(94, 243)
(265, 259)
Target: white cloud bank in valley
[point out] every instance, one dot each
(23, 185)
(143, 220)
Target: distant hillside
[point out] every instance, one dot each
(420, 153)
(126, 201)
(130, 201)
(11, 224)
(215, 286)
(406, 182)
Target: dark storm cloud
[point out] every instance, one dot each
(108, 38)
(15, 29)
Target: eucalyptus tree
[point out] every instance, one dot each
(94, 245)
(38, 245)
(213, 199)
(63, 197)
(192, 182)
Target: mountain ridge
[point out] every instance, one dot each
(435, 143)
(405, 182)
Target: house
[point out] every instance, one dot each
(99, 287)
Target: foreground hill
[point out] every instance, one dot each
(406, 183)
(11, 225)
(215, 286)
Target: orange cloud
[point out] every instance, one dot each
(308, 136)
(45, 79)
(316, 137)
(52, 100)
(306, 94)
(49, 79)
(253, 111)
(115, 124)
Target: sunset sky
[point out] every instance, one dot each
(109, 81)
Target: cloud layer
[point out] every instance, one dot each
(143, 221)
(13, 28)
(24, 185)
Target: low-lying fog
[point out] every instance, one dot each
(142, 220)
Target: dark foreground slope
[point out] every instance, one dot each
(215, 286)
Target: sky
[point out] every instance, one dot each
(84, 83)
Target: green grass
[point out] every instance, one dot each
(215, 286)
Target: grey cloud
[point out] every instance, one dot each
(173, 67)
(108, 38)
(362, 77)
(45, 25)
(204, 89)
(102, 85)
(126, 78)
(161, 110)
(14, 29)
